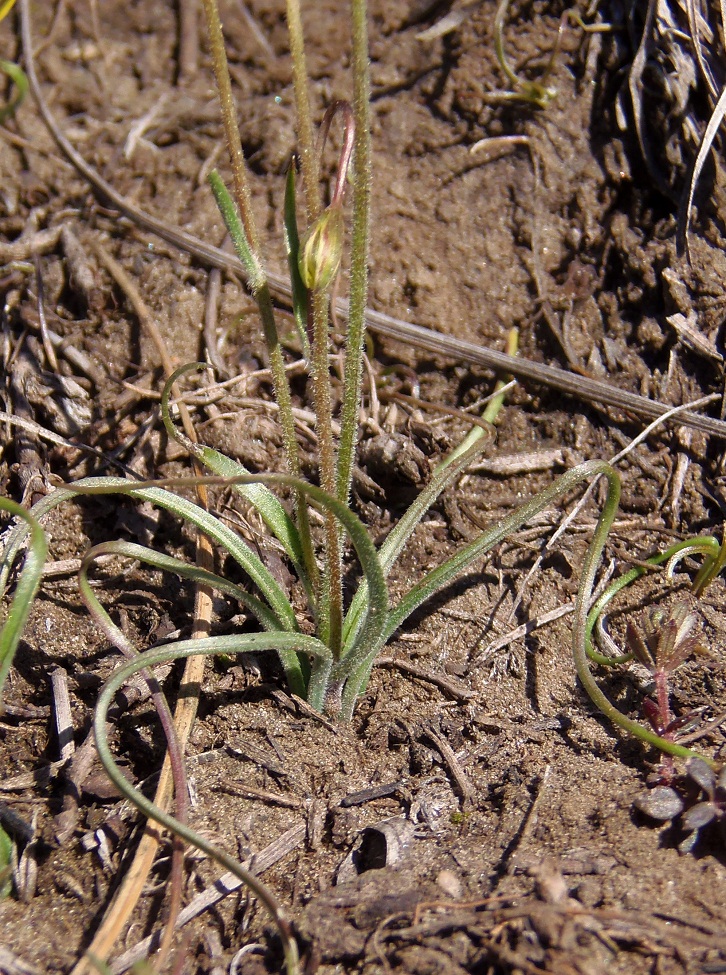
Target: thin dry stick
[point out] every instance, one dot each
(458, 693)
(79, 360)
(214, 290)
(62, 712)
(44, 336)
(521, 631)
(583, 387)
(188, 40)
(28, 245)
(462, 782)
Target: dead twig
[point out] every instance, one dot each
(522, 631)
(44, 336)
(188, 41)
(457, 692)
(211, 346)
(10, 964)
(75, 772)
(247, 792)
(81, 275)
(62, 713)
(463, 784)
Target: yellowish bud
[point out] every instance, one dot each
(322, 248)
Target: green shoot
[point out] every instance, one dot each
(713, 563)
(25, 590)
(14, 72)
(535, 92)
(6, 864)
(20, 81)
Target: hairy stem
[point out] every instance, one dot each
(330, 600)
(355, 331)
(306, 139)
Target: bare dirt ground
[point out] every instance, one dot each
(510, 801)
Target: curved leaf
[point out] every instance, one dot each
(260, 497)
(166, 563)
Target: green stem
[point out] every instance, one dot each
(355, 331)
(531, 91)
(260, 287)
(496, 403)
(229, 121)
(306, 140)
(331, 599)
(20, 80)
(258, 284)
(705, 546)
(711, 567)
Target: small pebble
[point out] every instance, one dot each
(450, 883)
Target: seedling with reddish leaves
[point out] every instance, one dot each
(661, 645)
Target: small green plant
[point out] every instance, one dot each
(14, 72)
(6, 864)
(661, 644)
(25, 590)
(537, 93)
(329, 659)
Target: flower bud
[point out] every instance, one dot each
(322, 248)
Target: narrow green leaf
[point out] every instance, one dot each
(6, 864)
(391, 548)
(210, 525)
(25, 590)
(443, 574)
(236, 231)
(292, 246)
(193, 573)
(20, 80)
(277, 520)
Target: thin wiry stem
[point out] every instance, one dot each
(242, 192)
(330, 599)
(355, 332)
(701, 545)
(306, 140)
